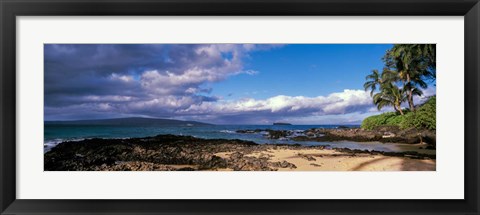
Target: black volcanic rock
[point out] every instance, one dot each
(179, 153)
(384, 134)
(162, 152)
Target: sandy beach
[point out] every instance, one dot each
(332, 160)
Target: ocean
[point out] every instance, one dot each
(57, 133)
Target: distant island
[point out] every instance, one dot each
(281, 123)
(130, 121)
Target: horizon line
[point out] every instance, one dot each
(70, 120)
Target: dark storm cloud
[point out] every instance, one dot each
(134, 79)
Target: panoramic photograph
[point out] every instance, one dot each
(239, 107)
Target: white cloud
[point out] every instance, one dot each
(124, 78)
(188, 82)
(163, 104)
(115, 98)
(250, 72)
(211, 64)
(174, 86)
(348, 106)
(335, 103)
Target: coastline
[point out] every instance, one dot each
(186, 153)
(384, 134)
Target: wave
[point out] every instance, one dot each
(228, 131)
(49, 144)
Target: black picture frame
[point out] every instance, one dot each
(10, 9)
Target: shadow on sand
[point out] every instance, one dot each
(405, 164)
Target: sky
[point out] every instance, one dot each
(213, 83)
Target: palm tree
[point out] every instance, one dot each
(427, 51)
(424, 54)
(373, 80)
(412, 67)
(407, 66)
(390, 95)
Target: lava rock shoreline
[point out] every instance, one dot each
(177, 153)
(384, 134)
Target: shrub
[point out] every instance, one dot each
(423, 118)
(372, 122)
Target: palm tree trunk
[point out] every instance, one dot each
(398, 108)
(410, 95)
(410, 100)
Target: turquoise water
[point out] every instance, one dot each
(77, 132)
(54, 134)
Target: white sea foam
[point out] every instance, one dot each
(296, 133)
(49, 144)
(228, 131)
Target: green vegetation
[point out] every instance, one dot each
(423, 118)
(408, 68)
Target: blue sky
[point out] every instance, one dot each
(215, 83)
(304, 69)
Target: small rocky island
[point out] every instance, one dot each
(281, 123)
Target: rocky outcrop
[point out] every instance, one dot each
(181, 153)
(386, 134)
(164, 153)
(383, 134)
(269, 133)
